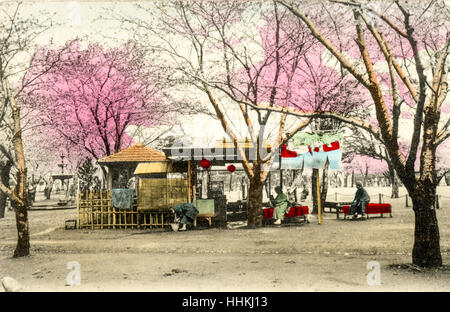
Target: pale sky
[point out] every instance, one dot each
(84, 19)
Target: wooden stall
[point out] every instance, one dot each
(160, 184)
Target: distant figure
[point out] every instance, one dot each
(360, 201)
(281, 204)
(305, 194)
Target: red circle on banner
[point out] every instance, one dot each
(205, 163)
(231, 168)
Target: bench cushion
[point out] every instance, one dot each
(296, 211)
(371, 208)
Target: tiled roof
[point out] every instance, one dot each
(135, 153)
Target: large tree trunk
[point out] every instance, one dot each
(21, 190)
(254, 202)
(5, 169)
(426, 250)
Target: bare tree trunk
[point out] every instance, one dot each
(48, 188)
(294, 177)
(324, 186)
(447, 179)
(266, 189)
(346, 179)
(366, 173)
(353, 178)
(394, 182)
(5, 169)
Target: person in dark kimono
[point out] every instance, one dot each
(360, 201)
(185, 214)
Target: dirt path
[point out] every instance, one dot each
(293, 257)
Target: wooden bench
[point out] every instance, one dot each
(336, 206)
(371, 208)
(70, 225)
(295, 211)
(206, 210)
(207, 216)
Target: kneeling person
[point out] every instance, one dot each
(185, 214)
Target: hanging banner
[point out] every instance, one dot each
(316, 157)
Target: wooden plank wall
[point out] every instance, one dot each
(161, 194)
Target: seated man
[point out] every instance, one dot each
(281, 204)
(184, 214)
(360, 201)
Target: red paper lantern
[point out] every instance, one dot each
(231, 168)
(205, 163)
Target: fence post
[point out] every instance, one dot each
(407, 200)
(380, 198)
(437, 201)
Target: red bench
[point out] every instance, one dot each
(296, 211)
(371, 209)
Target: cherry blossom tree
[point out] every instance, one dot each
(243, 57)
(94, 94)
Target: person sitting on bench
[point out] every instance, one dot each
(360, 201)
(281, 204)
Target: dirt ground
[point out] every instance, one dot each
(295, 256)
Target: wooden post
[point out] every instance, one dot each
(319, 201)
(78, 207)
(281, 178)
(101, 209)
(91, 208)
(380, 196)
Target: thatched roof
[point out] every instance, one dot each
(136, 153)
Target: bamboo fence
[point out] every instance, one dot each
(95, 212)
